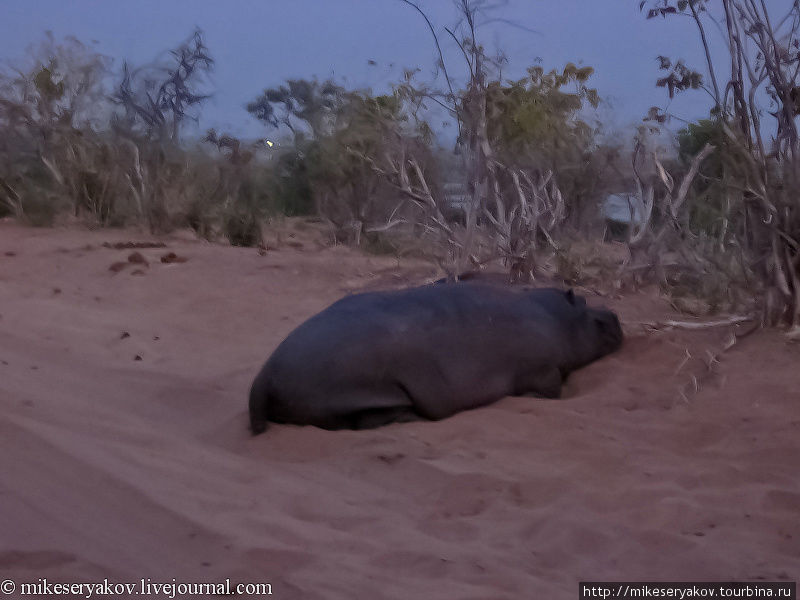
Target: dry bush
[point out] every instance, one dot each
(65, 147)
(756, 194)
(53, 156)
(521, 144)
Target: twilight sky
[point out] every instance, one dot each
(260, 43)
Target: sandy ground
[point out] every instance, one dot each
(124, 449)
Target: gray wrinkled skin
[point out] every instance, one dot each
(427, 352)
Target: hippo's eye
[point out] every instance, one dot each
(608, 327)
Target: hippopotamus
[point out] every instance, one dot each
(427, 353)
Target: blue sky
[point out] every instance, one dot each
(260, 43)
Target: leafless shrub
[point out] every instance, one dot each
(514, 195)
(155, 101)
(234, 200)
(759, 181)
(64, 147)
(52, 155)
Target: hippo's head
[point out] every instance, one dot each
(607, 330)
(593, 332)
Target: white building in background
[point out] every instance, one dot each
(456, 201)
(624, 209)
(621, 212)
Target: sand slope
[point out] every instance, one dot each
(127, 469)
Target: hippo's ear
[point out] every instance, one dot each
(576, 301)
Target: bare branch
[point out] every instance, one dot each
(676, 204)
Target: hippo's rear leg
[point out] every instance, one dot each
(544, 382)
(371, 418)
(372, 406)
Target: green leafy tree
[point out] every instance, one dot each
(707, 207)
(538, 122)
(536, 118)
(338, 137)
